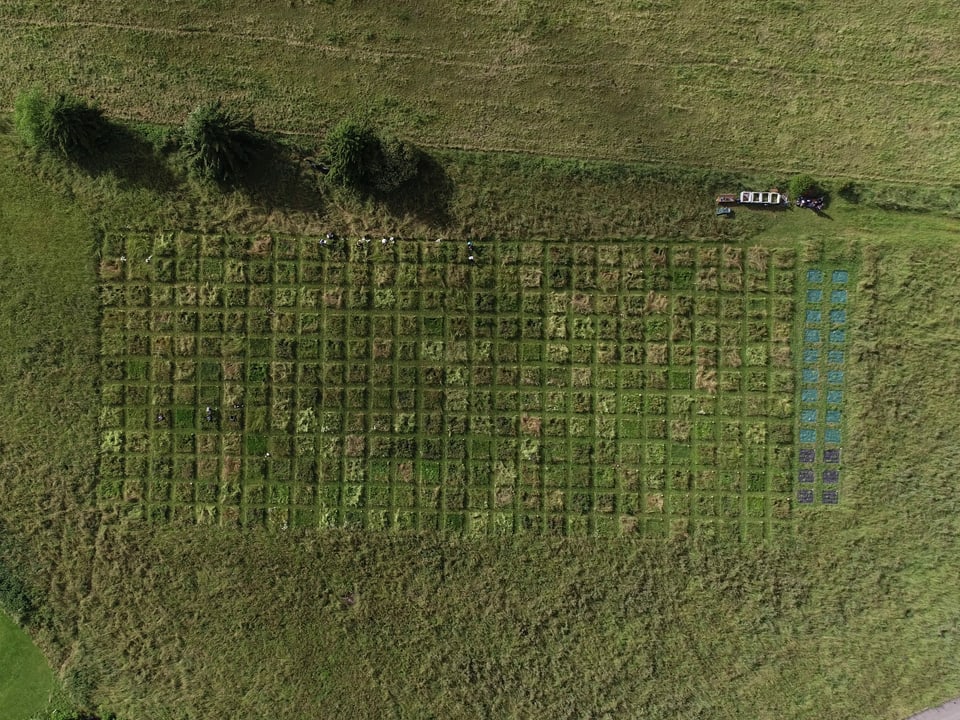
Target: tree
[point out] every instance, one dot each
(66, 125)
(351, 147)
(218, 143)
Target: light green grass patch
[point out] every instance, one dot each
(27, 684)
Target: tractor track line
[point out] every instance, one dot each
(487, 67)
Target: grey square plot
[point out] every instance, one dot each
(830, 497)
(808, 455)
(806, 476)
(831, 456)
(831, 476)
(805, 497)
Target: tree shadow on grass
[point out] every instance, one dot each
(131, 157)
(277, 177)
(426, 197)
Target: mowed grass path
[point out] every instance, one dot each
(858, 89)
(27, 683)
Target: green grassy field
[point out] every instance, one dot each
(169, 569)
(866, 89)
(359, 623)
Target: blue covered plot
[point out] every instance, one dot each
(815, 277)
(811, 356)
(813, 316)
(833, 417)
(835, 377)
(840, 277)
(811, 336)
(808, 436)
(835, 397)
(838, 297)
(838, 317)
(837, 336)
(808, 416)
(810, 395)
(810, 376)
(835, 357)
(814, 296)
(832, 435)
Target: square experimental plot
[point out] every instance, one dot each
(822, 376)
(583, 389)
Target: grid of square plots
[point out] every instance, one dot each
(824, 352)
(621, 388)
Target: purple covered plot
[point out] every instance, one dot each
(831, 476)
(831, 456)
(806, 476)
(805, 497)
(808, 455)
(830, 497)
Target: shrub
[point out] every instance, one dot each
(352, 147)
(395, 164)
(802, 185)
(362, 160)
(15, 597)
(218, 143)
(29, 113)
(66, 124)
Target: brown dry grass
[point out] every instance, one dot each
(655, 303)
(261, 246)
(657, 354)
(706, 379)
(531, 424)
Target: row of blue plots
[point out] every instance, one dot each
(821, 386)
